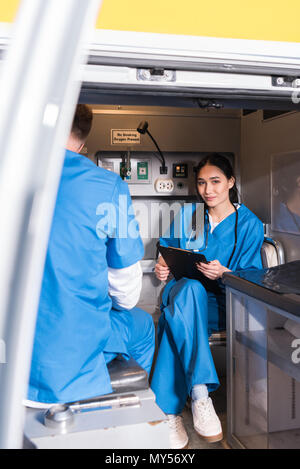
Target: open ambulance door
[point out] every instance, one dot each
(162, 67)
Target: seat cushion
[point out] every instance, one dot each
(269, 255)
(127, 376)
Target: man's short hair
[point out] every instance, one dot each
(82, 122)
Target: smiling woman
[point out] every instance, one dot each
(213, 188)
(215, 182)
(191, 312)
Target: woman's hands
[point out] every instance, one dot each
(213, 270)
(161, 270)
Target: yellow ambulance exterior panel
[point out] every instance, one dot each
(267, 20)
(8, 10)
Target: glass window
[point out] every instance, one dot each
(285, 179)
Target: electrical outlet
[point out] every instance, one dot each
(164, 185)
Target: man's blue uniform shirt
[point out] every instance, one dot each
(88, 235)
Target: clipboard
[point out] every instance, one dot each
(182, 263)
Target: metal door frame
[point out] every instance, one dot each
(39, 90)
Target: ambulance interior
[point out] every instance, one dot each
(197, 97)
(258, 137)
(257, 141)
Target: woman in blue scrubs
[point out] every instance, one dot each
(231, 240)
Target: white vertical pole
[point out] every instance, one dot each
(38, 93)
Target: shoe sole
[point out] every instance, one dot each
(186, 446)
(211, 439)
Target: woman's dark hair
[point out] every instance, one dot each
(221, 162)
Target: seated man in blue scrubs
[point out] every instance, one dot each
(91, 283)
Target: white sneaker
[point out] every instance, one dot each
(178, 435)
(206, 422)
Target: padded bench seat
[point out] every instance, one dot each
(217, 338)
(127, 376)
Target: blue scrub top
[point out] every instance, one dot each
(93, 228)
(250, 236)
(220, 243)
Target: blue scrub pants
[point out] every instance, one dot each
(133, 335)
(189, 314)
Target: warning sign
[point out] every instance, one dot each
(125, 137)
